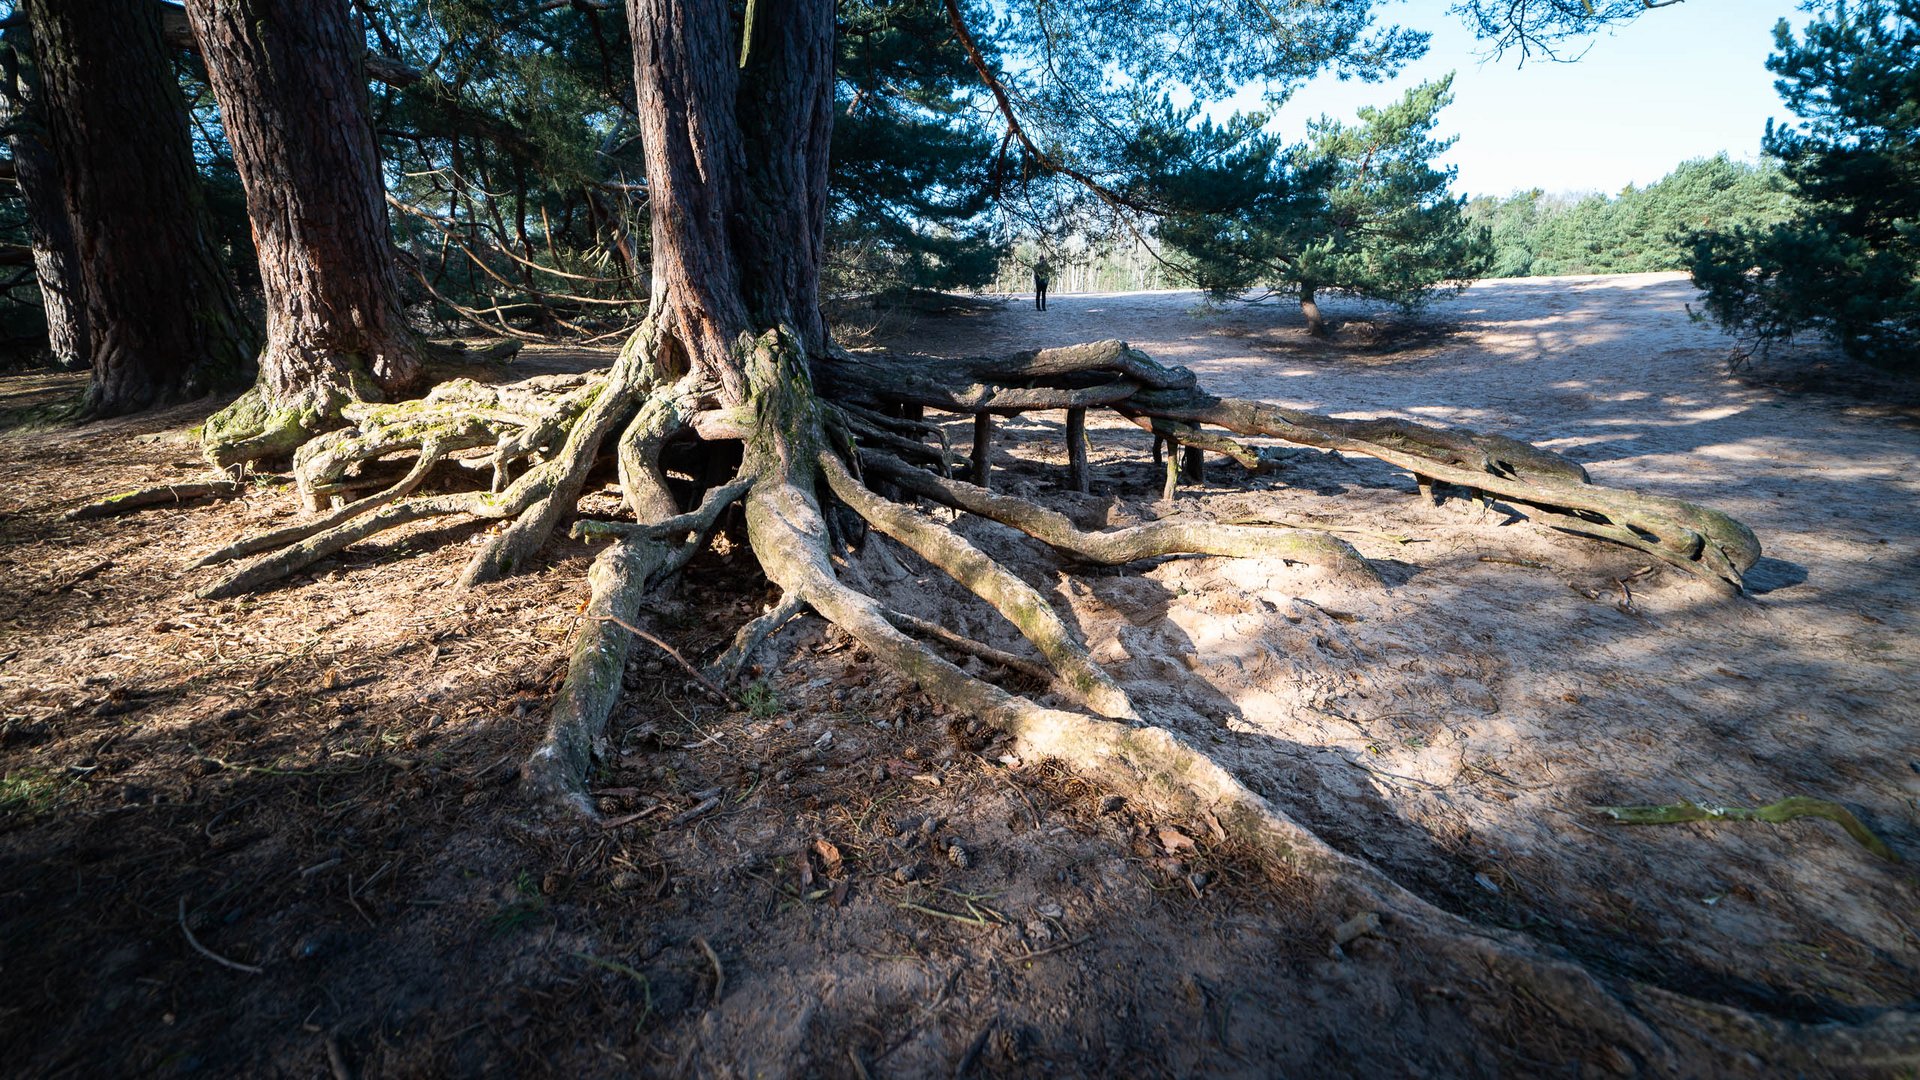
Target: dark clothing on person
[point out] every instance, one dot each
(1041, 274)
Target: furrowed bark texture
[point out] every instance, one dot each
(736, 176)
(56, 256)
(161, 317)
(291, 84)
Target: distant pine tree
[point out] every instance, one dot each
(1847, 264)
(1638, 230)
(1358, 208)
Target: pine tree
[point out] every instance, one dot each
(1358, 208)
(1847, 266)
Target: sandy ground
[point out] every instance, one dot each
(1457, 726)
(314, 781)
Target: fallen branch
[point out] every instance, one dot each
(160, 495)
(673, 652)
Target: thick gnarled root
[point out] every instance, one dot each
(1694, 538)
(1022, 606)
(520, 421)
(1119, 546)
(635, 566)
(253, 428)
(869, 442)
(1168, 402)
(555, 425)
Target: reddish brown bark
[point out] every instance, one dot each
(1310, 310)
(56, 257)
(291, 84)
(736, 173)
(161, 315)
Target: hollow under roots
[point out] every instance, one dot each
(841, 437)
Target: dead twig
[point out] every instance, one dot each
(209, 953)
(719, 973)
(973, 1051)
(352, 899)
(325, 864)
(673, 652)
(628, 819)
(336, 1061)
(1035, 954)
(84, 575)
(699, 808)
(217, 818)
(1531, 564)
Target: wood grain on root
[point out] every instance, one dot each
(1132, 544)
(160, 495)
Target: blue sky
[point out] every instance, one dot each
(1679, 82)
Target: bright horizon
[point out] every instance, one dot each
(1678, 83)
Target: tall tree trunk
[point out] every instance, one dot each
(56, 257)
(1309, 307)
(736, 175)
(161, 315)
(292, 90)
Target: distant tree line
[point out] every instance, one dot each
(1637, 230)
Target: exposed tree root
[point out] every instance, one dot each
(913, 624)
(267, 423)
(730, 664)
(1132, 544)
(850, 426)
(162, 495)
(634, 567)
(1019, 602)
(1557, 490)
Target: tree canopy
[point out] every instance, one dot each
(1846, 264)
(512, 164)
(1360, 208)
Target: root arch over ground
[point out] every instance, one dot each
(813, 448)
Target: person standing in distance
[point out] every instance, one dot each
(1042, 273)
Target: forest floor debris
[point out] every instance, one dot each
(1453, 728)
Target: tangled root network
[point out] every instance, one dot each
(804, 440)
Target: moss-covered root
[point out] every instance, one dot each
(643, 480)
(255, 429)
(554, 486)
(127, 502)
(1119, 546)
(1022, 606)
(519, 420)
(431, 455)
(638, 564)
(619, 580)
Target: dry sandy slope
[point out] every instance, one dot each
(1457, 726)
